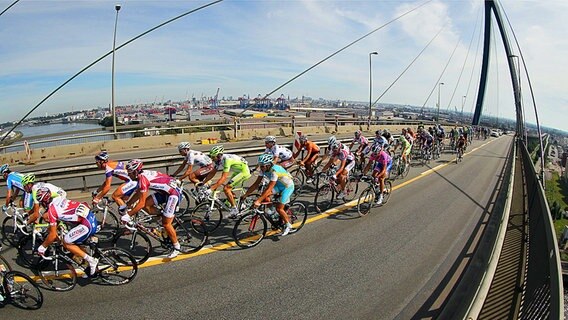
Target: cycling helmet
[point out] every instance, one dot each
(43, 196)
(378, 133)
(216, 150)
(270, 139)
(331, 141)
(134, 165)
(303, 138)
(377, 147)
(184, 145)
(103, 156)
(336, 145)
(265, 158)
(4, 168)
(28, 178)
(357, 133)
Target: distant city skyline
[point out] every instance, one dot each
(252, 47)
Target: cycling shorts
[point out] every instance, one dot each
(239, 178)
(202, 172)
(285, 193)
(168, 203)
(287, 163)
(407, 151)
(379, 167)
(349, 165)
(83, 231)
(128, 188)
(366, 150)
(28, 201)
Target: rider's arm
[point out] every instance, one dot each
(9, 196)
(34, 213)
(267, 192)
(367, 166)
(187, 172)
(104, 188)
(220, 181)
(275, 161)
(180, 168)
(141, 201)
(342, 165)
(253, 187)
(51, 236)
(328, 164)
(210, 175)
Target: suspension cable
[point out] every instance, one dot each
(441, 75)
(106, 55)
(474, 64)
(411, 63)
(337, 52)
(10, 6)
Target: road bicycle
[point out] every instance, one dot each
(252, 226)
(58, 270)
(108, 224)
(370, 194)
(301, 177)
(329, 188)
(399, 168)
(28, 244)
(425, 154)
(459, 154)
(147, 226)
(18, 288)
(14, 226)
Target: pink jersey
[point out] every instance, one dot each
(361, 140)
(154, 180)
(62, 209)
(345, 154)
(381, 157)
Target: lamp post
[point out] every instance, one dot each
(117, 7)
(370, 89)
(463, 103)
(438, 113)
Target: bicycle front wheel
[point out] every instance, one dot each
(9, 231)
(116, 266)
(184, 203)
(324, 198)
(249, 230)
(206, 218)
(351, 189)
(108, 225)
(57, 274)
(191, 238)
(297, 214)
(387, 191)
(136, 243)
(366, 200)
(22, 291)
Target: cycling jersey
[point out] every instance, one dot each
(157, 181)
(461, 142)
(284, 183)
(232, 162)
(382, 160)
(65, 210)
(14, 180)
(345, 154)
(54, 190)
(198, 157)
(282, 153)
(427, 137)
(381, 141)
(311, 148)
(361, 140)
(117, 169)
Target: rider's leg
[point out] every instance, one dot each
(229, 193)
(167, 217)
(123, 191)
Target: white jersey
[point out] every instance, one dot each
(198, 157)
(54, 190)
(282, 153)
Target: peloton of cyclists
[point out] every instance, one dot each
(280, 183)
(166, 195)
(312, 154)
(364, 146)
(227, 163)
(113, 169)
(192, 157)
(68, 211)
(282, 155)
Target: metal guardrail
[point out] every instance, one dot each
(235, 126)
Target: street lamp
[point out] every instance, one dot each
(463, 103)
(370, 89)
(117, 7)
(438, 114)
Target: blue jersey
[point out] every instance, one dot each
(280, 175)
(14, 180)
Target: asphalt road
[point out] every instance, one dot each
(391, 264)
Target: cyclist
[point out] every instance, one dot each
(460, 145)
(364, 146)
(228, 163)
(389, 138)
(30, 186)
(113, 169)
(405, 146)
(193, 157)
(280, 182)
(282, 155)
(380, 140)
(312, 154)
(73, 212)
(15, 186)
(347, 162)
(166, 194)
(427, 140)
(383, 164)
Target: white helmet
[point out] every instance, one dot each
(331, 141)
(184, 145)
(270, 139)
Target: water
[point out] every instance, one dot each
(30, 131)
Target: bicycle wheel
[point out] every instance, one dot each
(249, 230)
(387, 191)
(351, 189)
(10, 232)
(4, 265)
(57, 274)
(184, 203)
(116, 266)
(27, 249)
(191, 238)
(298, 214)
(324, 198)
(206, 218)
(405, 170)
(22, 291)
(135, 242)
(366, 200)
(108, 225)
(298, 188)
(298, 175)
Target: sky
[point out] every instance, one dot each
(253, 47)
